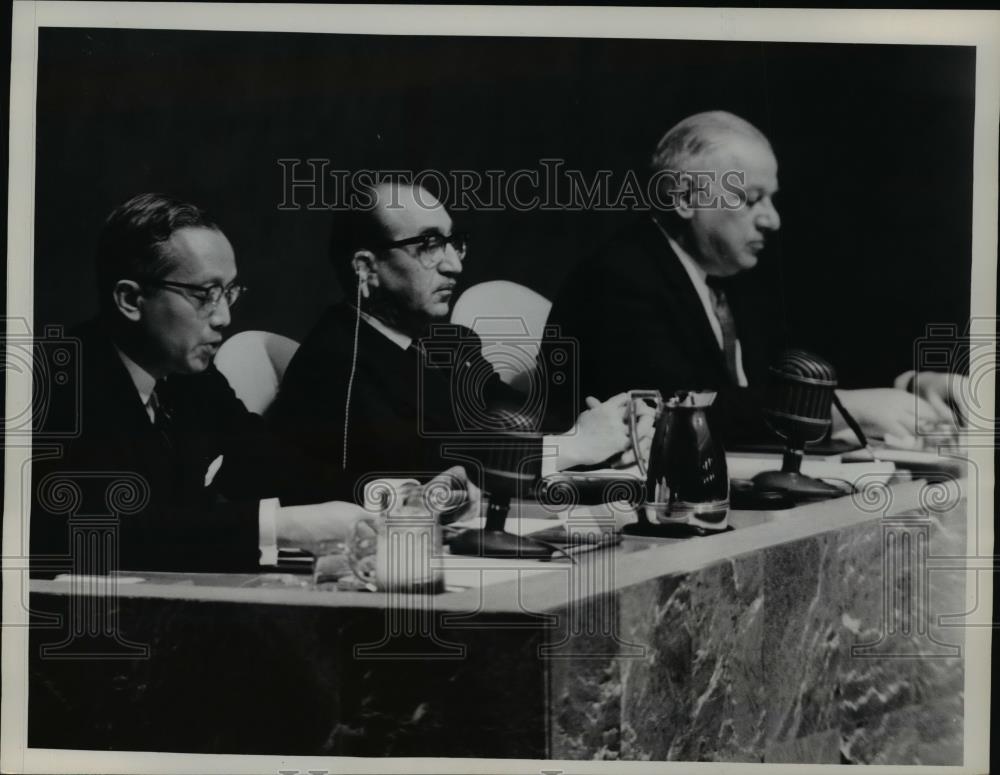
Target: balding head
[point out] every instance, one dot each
(400, 254)
(717, 177)
(690, 144)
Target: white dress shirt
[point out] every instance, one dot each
(394, 336)
(144, 382)
(699, 280)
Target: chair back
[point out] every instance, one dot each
(510, 319)
(254, 363)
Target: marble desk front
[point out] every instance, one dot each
(808, 635)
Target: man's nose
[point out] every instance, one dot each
(220, 317)
(451, 263)
(768, 218)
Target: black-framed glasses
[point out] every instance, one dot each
(431, 249)
(206, 296)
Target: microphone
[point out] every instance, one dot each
(797, 409)
(511, 464)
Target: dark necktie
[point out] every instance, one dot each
(724, 313)
(159, 402)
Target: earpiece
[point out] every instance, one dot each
(362, 272)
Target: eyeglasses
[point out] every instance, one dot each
(432, 248)
(206, 296)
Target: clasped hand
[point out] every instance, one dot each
(601, 434)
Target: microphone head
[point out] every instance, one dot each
(799, 397)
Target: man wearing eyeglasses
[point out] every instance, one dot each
(376, 386)
(156, 412)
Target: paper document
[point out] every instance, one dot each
(746, 466)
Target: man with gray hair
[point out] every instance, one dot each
(670, 304)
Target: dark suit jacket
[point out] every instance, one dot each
(638, 323)
(405, 407)
(180, 524)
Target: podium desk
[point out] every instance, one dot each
(831, 632)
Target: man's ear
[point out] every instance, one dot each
(684, 196)
(363, 263)
(127, 296)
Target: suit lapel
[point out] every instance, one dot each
(414, 388)
(390, 367)
(684, 306)
(117, 411)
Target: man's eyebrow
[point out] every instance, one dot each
(215, 280)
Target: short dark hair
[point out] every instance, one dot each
(132, 244)
(353, 228)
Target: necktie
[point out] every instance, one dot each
(162, 418)
(724, 313)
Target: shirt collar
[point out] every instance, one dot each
(699, 277)
(689, 263)
(394, 336)
(144, 381)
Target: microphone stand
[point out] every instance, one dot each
(511, 464)
(792, 481)
(801, 393)
(493, 541)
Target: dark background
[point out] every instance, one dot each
(874, 145)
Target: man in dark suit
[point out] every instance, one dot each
(377, 387)
(163, 446)
(671, 304)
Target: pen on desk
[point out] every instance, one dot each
(854, 426)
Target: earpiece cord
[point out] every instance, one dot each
(350, 379)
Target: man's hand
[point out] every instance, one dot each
(943, 391)
(322, 528)
(601, 434)
(645, 416)
(319, 528)
(886, 413)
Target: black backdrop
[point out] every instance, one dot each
(874, 145)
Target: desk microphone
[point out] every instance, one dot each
(511, 463)
(797, 409)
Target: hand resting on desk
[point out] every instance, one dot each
(885, 413)
(316, 527)
(948, 394)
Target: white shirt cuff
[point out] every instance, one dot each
(267, 517)
(550, 455)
